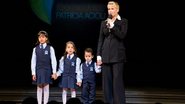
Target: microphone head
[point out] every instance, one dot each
(110, 16)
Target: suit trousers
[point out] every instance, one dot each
(113, 85)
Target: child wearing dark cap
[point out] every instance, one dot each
(43, 65)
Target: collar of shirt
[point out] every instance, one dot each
(70, 55)
(44, 45)
(118, 17)
(112, 23)
(88, 62)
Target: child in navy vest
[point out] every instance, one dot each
(89, 69)
(43, 65)
(69, 70)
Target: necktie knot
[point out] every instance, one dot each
(87, 63)
(41, 46)
(69, 57)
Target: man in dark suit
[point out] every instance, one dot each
(111, 54)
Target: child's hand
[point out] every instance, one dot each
(33, 77)
(99, 62)
(79, 84)
(54, 76)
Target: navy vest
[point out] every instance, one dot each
(43, 59)
(89, 71)
(70, 67)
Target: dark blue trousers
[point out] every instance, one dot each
(88, 92)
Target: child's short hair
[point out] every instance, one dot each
(89, 50)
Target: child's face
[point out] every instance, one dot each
(42, 38)
(70, 49)
(88, 56)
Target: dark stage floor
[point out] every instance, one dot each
(134, 95)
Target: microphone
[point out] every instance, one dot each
(109, 16)
(108, 19)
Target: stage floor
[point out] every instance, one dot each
(134, 95)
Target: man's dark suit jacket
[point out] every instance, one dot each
(111, 41)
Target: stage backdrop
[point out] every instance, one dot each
(79, 21)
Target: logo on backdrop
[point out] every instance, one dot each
(42, 9)
(80, 12)
(57, 10)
